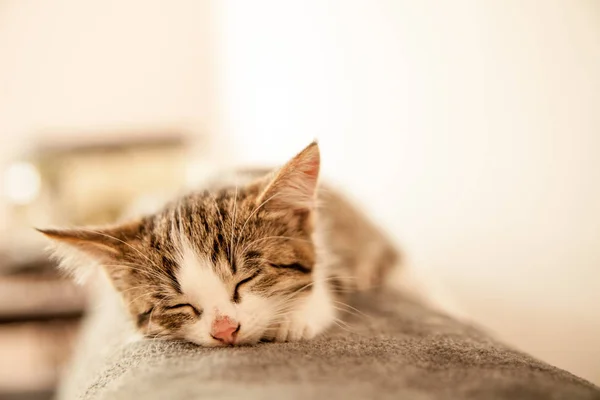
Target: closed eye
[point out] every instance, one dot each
(295, 266)
(184, 306)
(143, 318)
(236, 294)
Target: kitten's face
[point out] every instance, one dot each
(211, 263)
(215, 268)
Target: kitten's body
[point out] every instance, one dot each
(261, 258)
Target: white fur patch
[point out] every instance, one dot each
(75, 262)
(205, 290)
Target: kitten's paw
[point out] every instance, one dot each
(291, 330)
(313, 316)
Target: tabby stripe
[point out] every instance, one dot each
(169, 269)
(295, 266)
(142, 318)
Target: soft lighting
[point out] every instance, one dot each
(22, 183)
(196, 173)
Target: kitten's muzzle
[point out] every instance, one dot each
(224, 329)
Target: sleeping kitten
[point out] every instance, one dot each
(238, 264)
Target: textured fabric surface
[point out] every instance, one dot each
(393, 349)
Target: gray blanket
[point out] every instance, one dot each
(393, 348)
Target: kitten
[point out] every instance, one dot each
(232, 265)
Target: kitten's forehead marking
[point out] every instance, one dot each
(211, 220)
(200, 283)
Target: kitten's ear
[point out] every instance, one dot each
(295, 184)
(77, 248)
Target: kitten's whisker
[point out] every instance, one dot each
(295, 292)
(135, 267)
(273, 237)
(342, 290)
(122, 241)
(138, 287)
(179, 238)
(340, 325)
(347, 325)
(250, 216)
(107, 300)
(275, 315)
(231, 256)
(151, 285)
(356, 310)
(352, 313)
(145, 272)
(218, 210)
(283, 308)
(292, 296)
(148, 294)
(334, 276)
(149, 326)
(135, 299)
(104, 302)
(253, 330)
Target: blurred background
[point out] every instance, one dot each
(470, 130)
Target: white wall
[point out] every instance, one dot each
(70, 66)
(98, 68)
(471, 129)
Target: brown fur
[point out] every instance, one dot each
(259, 238)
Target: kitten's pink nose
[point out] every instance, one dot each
(224, 329)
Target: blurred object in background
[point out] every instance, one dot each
(39, 320)
(92, 183)
(86, 179)
(90, 180)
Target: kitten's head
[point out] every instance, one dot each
(213, 268)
